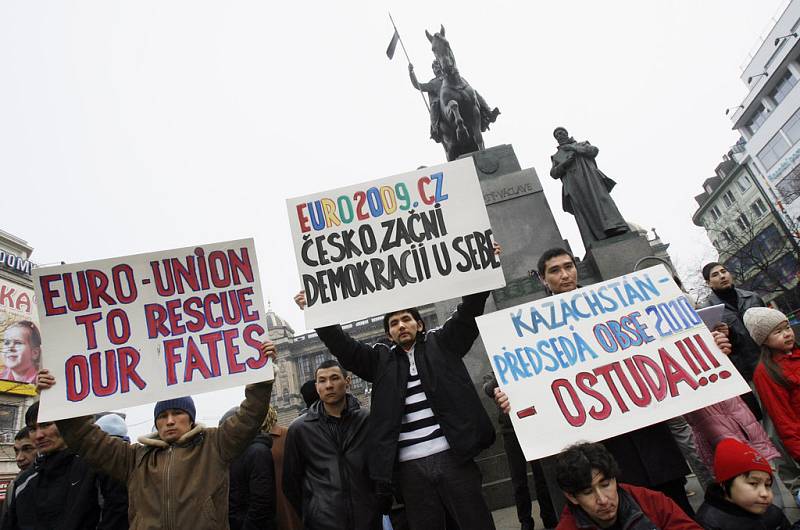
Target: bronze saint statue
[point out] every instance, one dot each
(585, 189)
(463, 114)
(431, 88)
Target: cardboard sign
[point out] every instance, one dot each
(604, 360)
(393, 243)
(138, 329)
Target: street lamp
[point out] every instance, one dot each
(750, 79)
(733, 108)
(779, 39)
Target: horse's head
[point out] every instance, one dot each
(441, 50)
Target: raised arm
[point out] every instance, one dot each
(236, 433)
(105, 453)
(113, 456)
(586, 149)
(354, 355)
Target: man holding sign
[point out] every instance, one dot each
(426, 418)
(648, 456)
(177, 477)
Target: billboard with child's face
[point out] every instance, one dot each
(20, 339)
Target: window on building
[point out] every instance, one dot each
(758, 119)
(728, 236)
(714, 211)
(743, 222)
(8, 423)
(743, 183)
(758, 208)
(728, 198)
(792, 127)
(773, 151)
(785, 85)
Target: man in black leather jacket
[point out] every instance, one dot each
(325, 459)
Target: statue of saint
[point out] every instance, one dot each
(432, 89)
(585, 189)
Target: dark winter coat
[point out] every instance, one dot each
(745, 352)
(638, 509)
(648, 456)
(451, 395)
(113, 497)
(59, 492)
(718, 514)
(325, 469)
(252, 493)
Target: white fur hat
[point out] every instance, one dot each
(760, 321)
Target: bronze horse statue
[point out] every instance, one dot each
(465, 115)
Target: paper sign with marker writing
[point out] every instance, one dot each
(604, 360)
(397, 242)
(138, 329)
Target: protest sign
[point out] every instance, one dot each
(137, 329)
(20, 339)
(604, 360)
(397, 242)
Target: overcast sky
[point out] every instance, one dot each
(129, 127)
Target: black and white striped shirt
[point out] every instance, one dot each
(420, 433)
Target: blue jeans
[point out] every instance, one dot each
(438, 484)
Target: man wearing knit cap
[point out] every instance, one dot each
(742, 495)
(177, 477)
(113, 495)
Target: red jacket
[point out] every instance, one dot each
(783, 404)
(647, 504)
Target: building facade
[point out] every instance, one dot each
(749, 233)
(768, 118)
(300, 355)
(17, 303)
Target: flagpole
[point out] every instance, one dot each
(399, 38)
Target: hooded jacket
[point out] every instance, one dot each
(745, 351)
(324, 469)
(730, 418)
(451, 394)
(718, 514)
(178, 486)
(58, 492)
(252, 493)
(637, 509)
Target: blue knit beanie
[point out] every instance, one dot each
(185, 404)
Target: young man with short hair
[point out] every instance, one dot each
(24, 449)
(58, 491)
(649, 456)
(325, 458)
(427, 423)
(736, 301)
(587, 474)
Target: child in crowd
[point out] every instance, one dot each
(777, 376)
(741, 498)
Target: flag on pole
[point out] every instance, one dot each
(392, 44)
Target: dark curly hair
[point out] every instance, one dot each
(574, 466)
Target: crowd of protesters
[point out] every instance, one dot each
(409, 461)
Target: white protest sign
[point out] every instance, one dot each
(604, 360)
(132, 330)
(397, 242)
